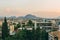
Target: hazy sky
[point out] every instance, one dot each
(41, 8)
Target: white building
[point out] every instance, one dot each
(12, 30)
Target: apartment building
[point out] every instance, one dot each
(54, 35)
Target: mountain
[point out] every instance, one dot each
(20, 17)
(29, 16)
(58, 17)
(11, 17)
(1, 17)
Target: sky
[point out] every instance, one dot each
(41, 8)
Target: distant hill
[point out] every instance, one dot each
(29, 16)
(12, 17)
(20, 17)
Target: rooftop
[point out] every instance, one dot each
(55, 33)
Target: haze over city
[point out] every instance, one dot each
(29, 19)
(41, 8)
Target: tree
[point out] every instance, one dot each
(5, 30)
(38, 33)
(33, 33)
(29, 35)
(21, 35)
(41, 34)
(30, 23)
(18, 25)
(44, 35)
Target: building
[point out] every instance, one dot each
(46, 24)
(11, 30)
(54, 35)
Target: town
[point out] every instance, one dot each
(29, 19)
(51, 26)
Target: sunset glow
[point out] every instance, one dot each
(41, 8)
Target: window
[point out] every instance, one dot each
(55, 38)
